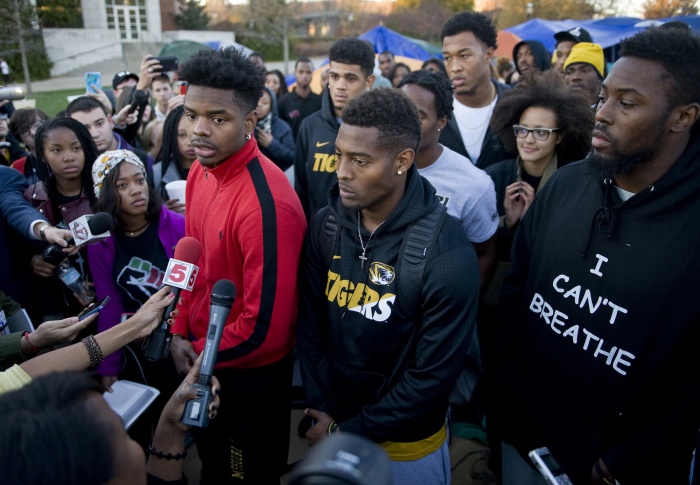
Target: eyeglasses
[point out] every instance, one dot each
(37, 124)
(540, 134)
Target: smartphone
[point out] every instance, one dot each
(92, 309)
(548, 467)
(167, 63)
(183, 88)
(92, 79)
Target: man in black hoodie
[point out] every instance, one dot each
(351, 62)
(375, 360)
(531, 55)
(598, 357)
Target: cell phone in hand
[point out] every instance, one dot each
(183, 88)
(92, 79)
(167, 63)
(92, 309)
(548, 467)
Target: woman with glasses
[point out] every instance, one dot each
(549, 126)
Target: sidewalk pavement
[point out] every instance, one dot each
(76, 82)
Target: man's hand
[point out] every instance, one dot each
(55, 331)
(318, 431)
(122, 118)
(183, 354)
(107, 382)
(175, 205)
(174, 102)
(175, 407)
(41, 267)
(100, 96)
(149, 70)
(519, 196)
(54, 235)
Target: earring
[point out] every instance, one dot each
(247, 136)
(398, 173)
(438, 129)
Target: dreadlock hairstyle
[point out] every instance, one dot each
(90, 153)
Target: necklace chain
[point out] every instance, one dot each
(362, 244)
(131, 233)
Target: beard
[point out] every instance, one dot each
(621, 163)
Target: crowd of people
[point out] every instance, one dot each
(452, 269)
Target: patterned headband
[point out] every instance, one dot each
(107, 161)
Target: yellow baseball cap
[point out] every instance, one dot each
(587, 53)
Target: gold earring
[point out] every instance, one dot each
(398, 173)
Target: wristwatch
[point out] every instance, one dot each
(41, 231)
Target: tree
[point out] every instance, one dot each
(192, 16)
(60, 14)
(21, 41)
(269, 20)
(513, 11)
(659, 9)
(423, 19)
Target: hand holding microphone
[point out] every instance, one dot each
(222, 296)
(180, 274)
(84, 229)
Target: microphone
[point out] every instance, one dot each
(344, 459)
(140, 97)
(180, 274)
(91, 226)
(222, 296)
(87, 228)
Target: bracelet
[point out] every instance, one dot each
(167, 456)
(332, 428)
(94, 351)
(601, 473)
(35, 349)
(41, 231)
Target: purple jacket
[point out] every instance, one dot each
(171, 228)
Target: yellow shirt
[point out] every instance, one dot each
(416, 449)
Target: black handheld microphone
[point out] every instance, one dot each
(179, 275)
(222, 296)
(97, 224)
(140, 97)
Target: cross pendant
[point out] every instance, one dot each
(363, 259)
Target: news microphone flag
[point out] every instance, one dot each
(90, 227)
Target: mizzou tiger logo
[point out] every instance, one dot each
(381, 274)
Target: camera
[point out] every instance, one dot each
(53, 254)
(12, 93)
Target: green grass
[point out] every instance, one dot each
(54, 101)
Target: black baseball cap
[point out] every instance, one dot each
(577, 34)
(123, 76)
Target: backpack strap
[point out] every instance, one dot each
(415, 249)
(329, 236)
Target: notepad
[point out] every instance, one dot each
(130, 399)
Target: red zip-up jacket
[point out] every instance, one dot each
(251, 226)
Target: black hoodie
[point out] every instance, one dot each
(364, 360)
(601, 323)
(543, 59)
(314, 160)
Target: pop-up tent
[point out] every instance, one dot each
(607, 32)
(411, 52)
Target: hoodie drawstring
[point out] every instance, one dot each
(605, 217)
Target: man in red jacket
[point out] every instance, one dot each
(250, 223)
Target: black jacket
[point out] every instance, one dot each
(294, 109)
(364, 359)
(281, 149)
(314, 160)
(601, 323)
(492, 148)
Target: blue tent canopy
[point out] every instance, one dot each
(383, 39)
(607, 32)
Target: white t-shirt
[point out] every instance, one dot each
(473, 124)
(467, 192)
(4, 68)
